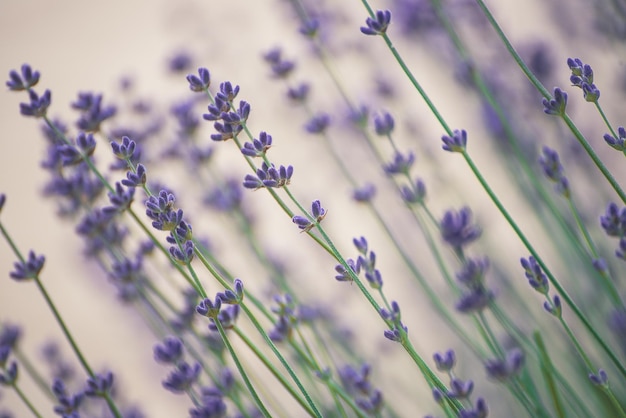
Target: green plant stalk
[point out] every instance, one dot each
(547, 369)
(574, 399)
(280, 357)
(605, 119)
(312, 361)
(26, 401)
(242, 372)
(274, 372)
(587, 361)
(606, 280)
(33, 373)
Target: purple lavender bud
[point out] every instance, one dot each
(136, 179)
(536, 278)
(460, 389)
(554, 307)
(120, 199)
(86, 143)
(8, 377)
(401, 164)
(258, 147)
(614, 221)
(455, 143)
(590, 92)
(618, 143)
(3, 199)
(92, 113)
(208, 308)
(379, 25)
(99, 385)
(620, 252)
(185, 255)
(473, 272)
(576, 65)
(38, 106)
(28, 269)
(125, 149)
(310, 27)
(456, 228)
(317, 124)
(227, 92)
(252, 182)
(600, 379)
(503, 370)
(475, 300)
(365, 193)
(181, 61)
(360, 244)
(556, 105)
(374, 278)
(25, 81)
(550, 163)
(209, 407)
(383, 124)
(68, 404)
(415, 193)
(182, 378)
(233, 297)
(344, 274)
(317, 210)
(5, 351)
(227, 317)
(169, 352)
(238, 117)
(9, 335)
(303, 223)
(438, 396)
(299, 93)
(445, 362)
(201, 82)
(393, 335)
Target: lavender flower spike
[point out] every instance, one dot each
(25, 81)
(379, 25)
(201, 82)
(556, 105)
(317, 213)
(618, 143)
(28, 269)
(455, 143)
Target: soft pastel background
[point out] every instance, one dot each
(87, 46)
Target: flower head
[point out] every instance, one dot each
(24, 81)
(377, 25)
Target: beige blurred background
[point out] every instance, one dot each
(87, 46)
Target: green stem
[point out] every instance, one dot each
(272, 346)
(26, 401)
(269, 366)
(547, 369)
(242, 372)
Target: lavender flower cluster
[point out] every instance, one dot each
(508, 304)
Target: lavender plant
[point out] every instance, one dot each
(341, 261)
